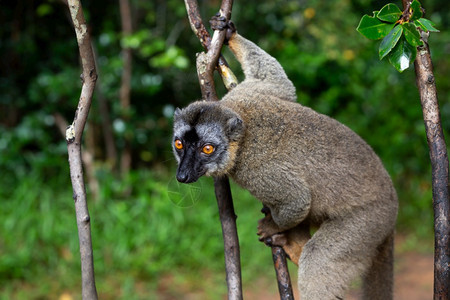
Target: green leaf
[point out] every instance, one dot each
(372, 28)
(412, 35)
(402, 55)
(426, 25)
(390, 41)
(416, 11)
(389, 13)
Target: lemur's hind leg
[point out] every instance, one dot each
(292, 240)
(338, 252)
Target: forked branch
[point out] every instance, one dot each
(206, 63)
(73, 137)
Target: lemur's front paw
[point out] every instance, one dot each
(219, 22)
(268, 231)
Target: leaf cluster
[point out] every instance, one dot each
(400, 31)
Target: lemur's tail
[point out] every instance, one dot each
(378, 281)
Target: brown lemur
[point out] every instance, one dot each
(306, 168)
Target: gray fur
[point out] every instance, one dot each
(309, 170)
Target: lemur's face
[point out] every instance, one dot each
(202, 143)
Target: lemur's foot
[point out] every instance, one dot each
(292, 240)
(267, 229)
(219, 22)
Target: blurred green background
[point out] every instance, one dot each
(153, 238)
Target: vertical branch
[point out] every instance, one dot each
(125, 85)
(205, 67)
(206, 63)
(230, 237)
(439, 171)
(439, 167)
(281, 268)
(73, 137)
(282, 271)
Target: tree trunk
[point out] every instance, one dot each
(125, 86)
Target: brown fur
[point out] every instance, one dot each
(309, 170)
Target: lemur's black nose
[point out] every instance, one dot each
(182, 177)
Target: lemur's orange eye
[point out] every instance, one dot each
(178, 144)
(208, 149)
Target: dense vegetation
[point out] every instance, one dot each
(143, 236)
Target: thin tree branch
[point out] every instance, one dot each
(228, 77)
(281, 269)
(206, 63)
(230, 237)
(439, 171)
(282, 272)
(439, 166)
(73, 137)
(87, 154)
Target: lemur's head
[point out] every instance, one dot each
(205, 140)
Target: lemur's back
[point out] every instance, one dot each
(331, 159)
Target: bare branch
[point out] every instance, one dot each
(73, 137)
(197, 24)
(206, 63)
(440, 171)
(228, 77)
(230, 237)
(281, 269)
(439, 167)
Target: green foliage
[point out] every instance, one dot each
(412, 36)
(390, 40)
(426, 25)
(402, 54)
(391, 19)
(140, 235)
(416, 11)
(373, 28)
(389, 13)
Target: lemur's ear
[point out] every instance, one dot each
(234, 128)
(177, 112)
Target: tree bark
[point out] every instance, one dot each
(439, 171)
(87, 154)
(206, 63)
(230, 237)
(73, 137)
(205, 67)
(228, 77)
(439, 166)
(125, 86)
(282, 272)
